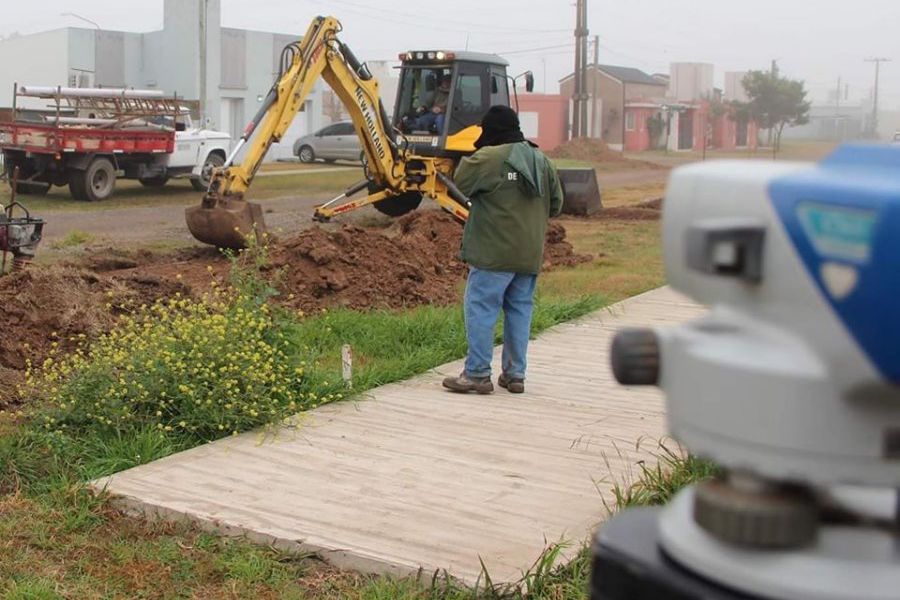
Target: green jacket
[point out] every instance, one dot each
(514, 190)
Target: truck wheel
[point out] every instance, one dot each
(76, 185)
(213, 162)
(306, 154)
(98, 182)
(154, 182)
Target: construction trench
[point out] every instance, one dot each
(405, 265)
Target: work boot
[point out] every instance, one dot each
(463, 384)
(514, 385)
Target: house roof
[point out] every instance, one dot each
(623, 74)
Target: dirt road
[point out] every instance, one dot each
(164, 224)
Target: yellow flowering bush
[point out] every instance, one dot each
(198, 368)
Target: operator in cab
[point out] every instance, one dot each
(431, 117)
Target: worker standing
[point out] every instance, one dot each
(514, 191)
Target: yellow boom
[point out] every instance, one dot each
(224, 218)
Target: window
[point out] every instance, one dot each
(344, 129)
(469, 93)
(470, 97)
(499, 89)
(418, 88)
(330, 130)
(629, 121)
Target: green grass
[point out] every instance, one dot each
(73, 239)
(179, 192)
(790, 150)
(57, 540)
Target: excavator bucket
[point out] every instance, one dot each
(581, 193)
(226, 223)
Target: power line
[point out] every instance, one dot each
(530, 50)
(437, 22)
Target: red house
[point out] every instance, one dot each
(544, 119)
(652, 124)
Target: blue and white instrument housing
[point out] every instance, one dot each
(794, 374)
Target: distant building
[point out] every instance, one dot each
(613, 87)
(833, 122)
(544, 119)
(689, 82)
(734, 87)
(240, 65)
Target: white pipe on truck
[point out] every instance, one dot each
(51, 92)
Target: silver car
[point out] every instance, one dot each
(337, 141)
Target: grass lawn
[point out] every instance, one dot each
(179, 191)
(58, 541)
(790, 150)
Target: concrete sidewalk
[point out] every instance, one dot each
(412, 477)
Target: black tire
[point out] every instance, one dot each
(397, 206)
(154, 182)
(98, 181)
(76, 186)
(213, 161)
(306, 154)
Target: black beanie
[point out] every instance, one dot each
(499, 126)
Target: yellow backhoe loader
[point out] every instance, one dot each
(406, 159)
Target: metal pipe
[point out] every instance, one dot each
(453, 191)
(348, 192)
(51, 92)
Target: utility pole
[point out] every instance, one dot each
(579, 98)
(873, 127)
(837, 98)
(576, 95)
(774, 74)
(594, 128)
(203, 58)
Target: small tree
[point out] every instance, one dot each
(775, 102)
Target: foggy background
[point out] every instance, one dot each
(817, 41)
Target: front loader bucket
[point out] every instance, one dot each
(227, 223)
(581, 194)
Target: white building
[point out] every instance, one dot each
(240, 65)
(734, 86)
(689, 82)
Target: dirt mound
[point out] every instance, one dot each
(596, 151)
(43, 307)
(411, 263)
(414, 262)
(648, 210)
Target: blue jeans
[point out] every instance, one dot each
(486, 293)
(427, 119)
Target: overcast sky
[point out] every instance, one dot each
(814, 40)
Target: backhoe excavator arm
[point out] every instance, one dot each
(224, 218)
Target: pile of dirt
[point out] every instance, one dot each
(596, 151)
(648, 210)
(411, 263)
(45, 306)
(414, 262)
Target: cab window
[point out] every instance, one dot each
(418, 88)
(499, 89)
(470, 96)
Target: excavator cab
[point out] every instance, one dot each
(442, 97)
